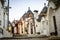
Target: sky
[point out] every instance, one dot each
(19, 7)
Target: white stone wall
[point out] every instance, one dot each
(51, 24)
(51, 4)
(6, 16)
(57, 14)
(50, 14)
(4, 20)
(44, 26)
(1, 18)
(1, 15)
(6, 33)
(37, 24)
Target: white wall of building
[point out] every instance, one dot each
(6, 14)
(55, 13)
(1, 15)
(1, 19)
(4, 20)
(50, 17)
(37, 24)
(44, 26)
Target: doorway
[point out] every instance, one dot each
(55, 26)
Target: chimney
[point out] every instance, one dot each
(36, 11)
(28, 8)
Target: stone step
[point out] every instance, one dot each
(17, 35)
(54, 38)
(26, 36)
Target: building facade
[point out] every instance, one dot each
(37, 23)
(26, 23)
(53, 17)
(4, 13)
(4, 16)
(44, 21)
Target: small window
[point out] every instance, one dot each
(30, 15)
(36, 25)
(38, 32)
(0, 22)
(43, 22)
(47, 22)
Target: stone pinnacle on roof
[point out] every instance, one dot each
(28, 8)
(29, 11)
(44, 4)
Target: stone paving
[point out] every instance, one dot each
(35, 38)
(32, 38)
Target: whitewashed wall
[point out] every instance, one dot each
(1, 19)
(6, 16)
(37, 24)
(1, 15)
(55, 13)
(4, 21)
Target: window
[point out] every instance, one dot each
(43, 22)
(0, 22)
(55, 25)
(47, 22)
(38, 32)
(36, 25)
(30, 15)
